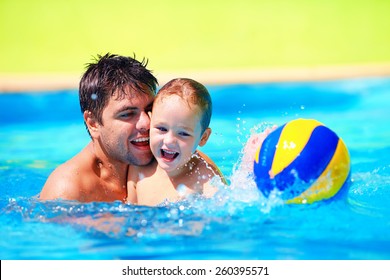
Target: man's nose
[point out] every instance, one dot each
(143, 123)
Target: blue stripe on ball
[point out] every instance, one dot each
(310, 164)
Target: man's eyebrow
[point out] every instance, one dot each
(133, 108)
(127, 108)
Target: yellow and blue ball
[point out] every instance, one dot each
(304, 160)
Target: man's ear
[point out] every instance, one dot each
(205, 136)
(92, 123)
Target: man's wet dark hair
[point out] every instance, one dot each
(111, 75)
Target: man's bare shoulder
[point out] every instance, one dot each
(67, 180)
(62, 183)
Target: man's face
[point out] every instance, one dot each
(124, 133)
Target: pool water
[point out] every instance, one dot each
(39, 131)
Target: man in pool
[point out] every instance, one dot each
(116, 93)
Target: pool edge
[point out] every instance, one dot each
(55, 81)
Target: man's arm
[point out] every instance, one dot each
(213, 166)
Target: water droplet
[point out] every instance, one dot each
(181, 189)
(174, 213)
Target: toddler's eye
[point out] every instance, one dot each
(160, 128)
(183, 133)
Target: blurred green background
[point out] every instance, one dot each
(41, 36)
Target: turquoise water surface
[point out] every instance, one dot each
(39, 131)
